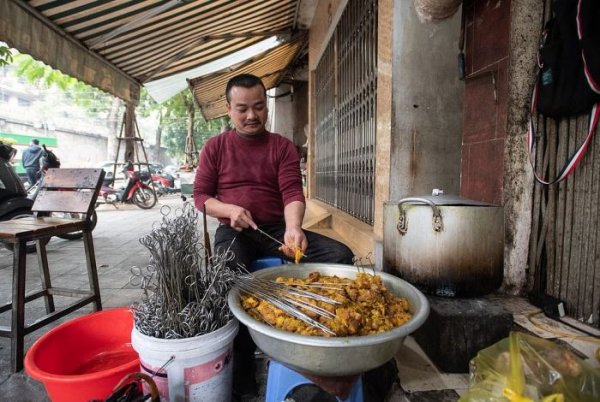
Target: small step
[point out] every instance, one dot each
(335, 235)
(314, 221)
(331, 222)
(316, 216)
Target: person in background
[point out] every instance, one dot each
(31, 161)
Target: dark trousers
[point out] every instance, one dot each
(32, 175)
(249, 245)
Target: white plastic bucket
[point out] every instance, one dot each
(202, 367)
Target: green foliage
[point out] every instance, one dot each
(37, 73)
(173, 115)
(147, 105)
(6, 56)
(175, 133)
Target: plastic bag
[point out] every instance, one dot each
(525, 368)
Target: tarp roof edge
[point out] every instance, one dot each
(300, 37)
(160, 94)
(22, 29)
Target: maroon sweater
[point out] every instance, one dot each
(261, 174)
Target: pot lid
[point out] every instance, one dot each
(443, 199)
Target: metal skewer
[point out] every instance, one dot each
(287, 299)
(269, 236)
(274, 239)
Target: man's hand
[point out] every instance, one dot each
(294, 236)
(240, 218)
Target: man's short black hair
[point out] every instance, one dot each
(36, 141)
(243, 80)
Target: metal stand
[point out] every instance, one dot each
(138, 148)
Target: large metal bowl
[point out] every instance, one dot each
(324, 356)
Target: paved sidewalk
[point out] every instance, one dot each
(116, 241)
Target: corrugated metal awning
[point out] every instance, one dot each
(164, 88)
(141, 40)
(270, 66)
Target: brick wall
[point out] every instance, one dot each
(487, 27)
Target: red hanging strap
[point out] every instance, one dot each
(574, 160)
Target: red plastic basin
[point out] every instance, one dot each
(84, 358)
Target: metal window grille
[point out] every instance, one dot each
(345, 98)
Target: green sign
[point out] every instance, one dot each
(25, 139)
(22, 141)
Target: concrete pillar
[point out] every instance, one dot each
(427, 105)
(526, 17)
(282, 111)
(384, 112)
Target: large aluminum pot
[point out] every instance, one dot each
(445, 245)
(331, 356)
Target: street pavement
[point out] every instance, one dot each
(116, 241)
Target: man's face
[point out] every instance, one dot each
(247, 109)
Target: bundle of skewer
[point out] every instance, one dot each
(290, 299)
(183, 296)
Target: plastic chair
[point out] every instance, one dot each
(265, 263)
(281, 381)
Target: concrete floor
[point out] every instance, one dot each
(118, 249)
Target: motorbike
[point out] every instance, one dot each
(13, 197)
(135, 190)
(14, 203)
(164, 183)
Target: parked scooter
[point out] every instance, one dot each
(13, 197)
(135, 190)
(14, 203)
(164, 183)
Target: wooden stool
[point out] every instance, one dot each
(73, 193)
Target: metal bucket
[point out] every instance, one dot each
(445, 245)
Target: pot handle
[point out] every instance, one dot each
(402, 225)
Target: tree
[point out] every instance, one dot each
(175, 134)
(177, 116)
(179, 124)
(94, 101)
(5, 55)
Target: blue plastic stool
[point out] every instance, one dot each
(281, 381)
(265, 263)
